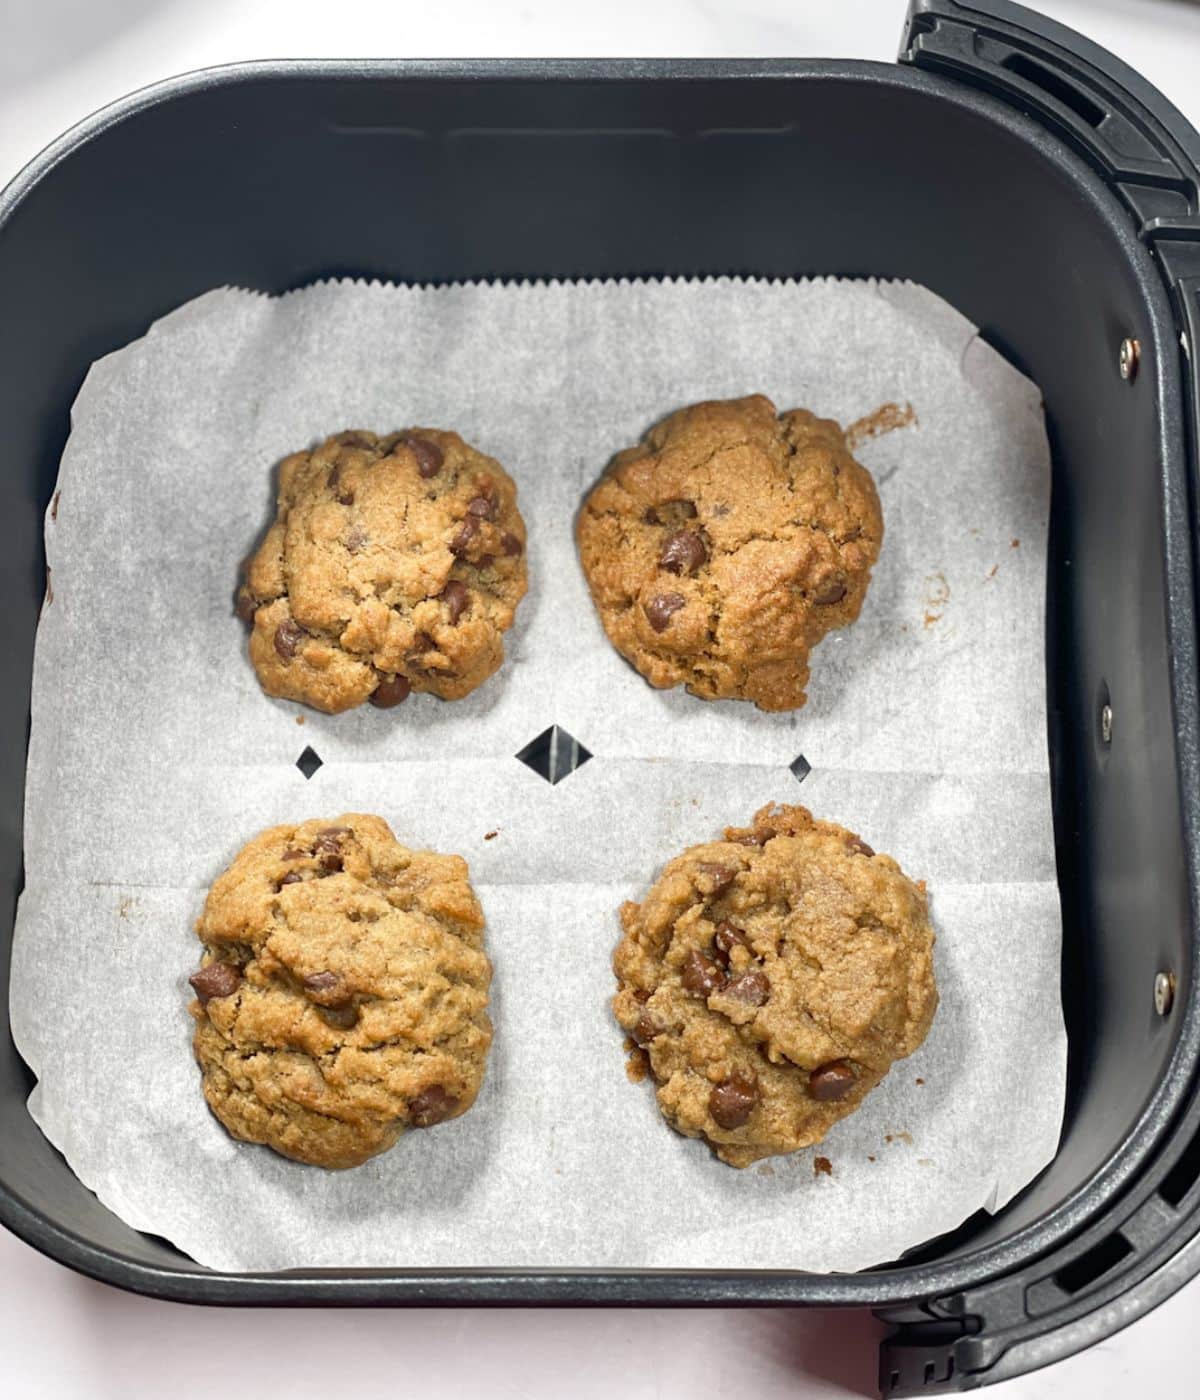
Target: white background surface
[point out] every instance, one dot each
(63, 1337)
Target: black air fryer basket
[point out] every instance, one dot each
(1020, 172)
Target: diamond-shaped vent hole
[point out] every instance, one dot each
(800, 768)
(554, 754)
(308, 763)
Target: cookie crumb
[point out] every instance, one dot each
(54, 506)
(822, 1166)
(936, 597)
(993, 571)
(898, 1137)
(490, 835)
(637, 1066)
(920, 1080)
(299, 719)
(885, 419)
(1016, 544)
(870, 1158)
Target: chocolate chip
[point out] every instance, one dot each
(751, 987)
(321, 982)
(647, 1028)
(831, 1081)
(341, 1017)
(343, 494)
(482, 508)
(457, 598)
(288, 637)
(700, 975)
(466, 533)
(728, 937)
(683, 553)
(832, 592)
(732, 1101)
(391, 690)
(328, 847)
(428, 454)
(356, 539)
(294, 854)
(217, 979)
(641, 995)
(755, 838)
(510, 544)
(485, 561)
(293, 877)
(245, 607)
(650, 516)
(432, 1105)
(355, 438)
(858, 845)
(660, 609)
(720, 877)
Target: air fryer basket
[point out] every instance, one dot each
(1024, 175)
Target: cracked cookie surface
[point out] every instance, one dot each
(721, 549)
(343, 992)
(394, 564)
(770, 980)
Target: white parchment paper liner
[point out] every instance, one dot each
(154, 755)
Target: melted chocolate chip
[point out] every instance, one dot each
(510, 544)
(751, 987)
(860, 847)
(390, 691)
(321, 982)
(661, 608)
(457, 598)
(355, 438)
(245, 606)
(720, 877)
(732, 1101)
(832, 592)
(466, 533)
(683, 553)
(700, 975)
(294, 853)
(428, 454)
(328, 847)
(217, 979)
(341, 1017)
(293, 877)
(432, 1105)
(482, 508)
(728, 937)
(831, 1081)
(647, 1028)
(288, 637)
(755, 838)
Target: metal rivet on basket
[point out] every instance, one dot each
(1130, 354)
(1164, 992)
(1106, 724)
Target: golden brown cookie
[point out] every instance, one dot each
(722, 549)
(394, 564)
(770, 980)
(343, 993)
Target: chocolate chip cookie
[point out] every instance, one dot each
(725, 546)
(770, 980)
(394, 564)
(343, 992)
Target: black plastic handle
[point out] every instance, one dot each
(1146, 152)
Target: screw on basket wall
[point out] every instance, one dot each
(1130, 354)
(1164, 993)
